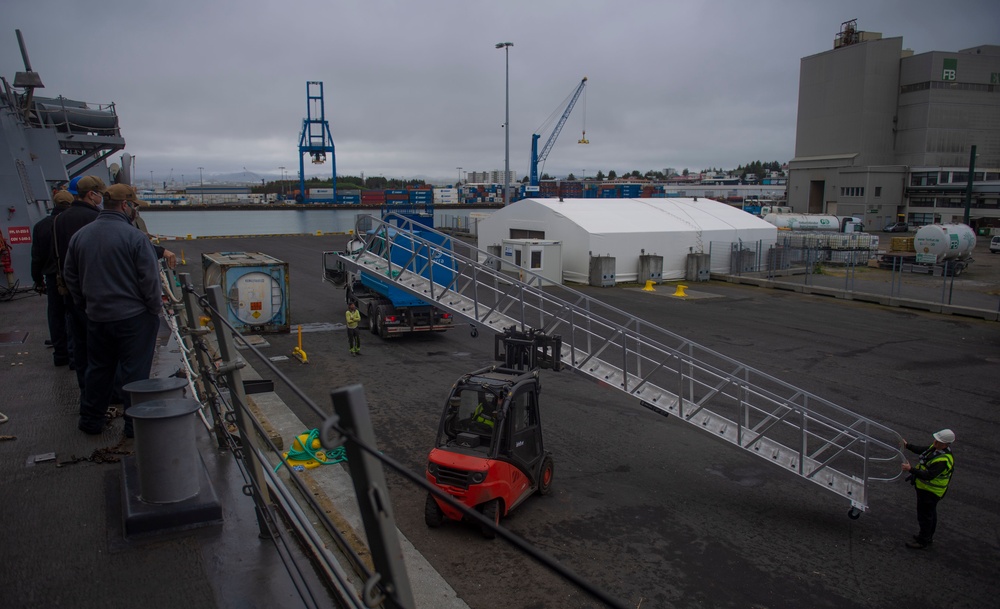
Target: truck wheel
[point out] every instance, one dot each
(433, 515)
(347, 295)
(380, 316)
(491, 509)
(371, 320)
(545, 477)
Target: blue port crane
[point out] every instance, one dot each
(537, 157)
(315, 140)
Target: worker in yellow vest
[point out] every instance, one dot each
(931, 476)
(353, 338)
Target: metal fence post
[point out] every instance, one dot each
(230, 367)
(193, 335)
(350, 406)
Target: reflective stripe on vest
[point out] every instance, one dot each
(939, 484)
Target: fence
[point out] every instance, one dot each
(854, 266)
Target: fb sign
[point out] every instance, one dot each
(950, 71)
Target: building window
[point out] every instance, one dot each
(523, 233)
(878, 191)
(852, 191)
(926, 178)
(536, 259)
(921, 219)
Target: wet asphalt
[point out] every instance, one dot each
(658, 513)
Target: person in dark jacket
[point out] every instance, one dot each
(113, 273)
(930, 477)
(43, 273)
(82, 212)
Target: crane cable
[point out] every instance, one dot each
(584, 140)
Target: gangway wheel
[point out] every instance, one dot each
(854, 513)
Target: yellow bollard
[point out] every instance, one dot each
(297, 352)
(680, 290)
(649, 286)
(183, 261)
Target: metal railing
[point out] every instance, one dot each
(794, 429)
(855, 267)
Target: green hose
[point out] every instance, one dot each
(337, 455)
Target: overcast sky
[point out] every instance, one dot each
(416, 88)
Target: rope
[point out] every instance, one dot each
(306, 452)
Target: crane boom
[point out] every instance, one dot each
(537, 157)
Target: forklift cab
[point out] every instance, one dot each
(495, 421)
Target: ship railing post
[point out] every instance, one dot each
(351, 408)
(230, 367)
(193, 335)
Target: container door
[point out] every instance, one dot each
(255, 297)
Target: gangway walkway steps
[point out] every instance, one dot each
(802, 433)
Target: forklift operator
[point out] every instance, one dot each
(485, 412)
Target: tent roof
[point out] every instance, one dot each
(605, 216)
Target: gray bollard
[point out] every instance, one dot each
(166, 454)
(156, 389)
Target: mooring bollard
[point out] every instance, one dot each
(165, 449)
(147, 390)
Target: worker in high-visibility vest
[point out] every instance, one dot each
(485, 411)
(353, 317)
(931, 476)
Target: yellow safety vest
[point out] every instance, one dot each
(479, 417)
(939, 484)
(353, 318)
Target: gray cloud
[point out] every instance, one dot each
(417, 88)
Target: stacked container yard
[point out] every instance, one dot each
(446, 196)
(373, 198)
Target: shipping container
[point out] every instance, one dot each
(255, 287)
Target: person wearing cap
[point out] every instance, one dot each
(84, 210)
(930, 476)
(72, 185)
(131, 209)
(43, 273)
(111, 270)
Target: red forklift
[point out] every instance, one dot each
(489, 453)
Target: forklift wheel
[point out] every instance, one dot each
(491, 510)
(545, 478)
(433, 515)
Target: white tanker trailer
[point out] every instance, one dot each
(810, 222)
(939, 242)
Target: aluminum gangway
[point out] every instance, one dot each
(793, 429)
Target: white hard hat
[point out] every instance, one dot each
(945, 436)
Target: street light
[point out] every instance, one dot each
(202, 175)
(282, 183)
(459, 176)
(151, 181)
(506, 122)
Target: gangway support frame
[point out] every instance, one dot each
(797, 431)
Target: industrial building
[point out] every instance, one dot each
(888, 135)
(559, 239)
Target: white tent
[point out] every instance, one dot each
(623, 228)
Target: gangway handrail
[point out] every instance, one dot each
(815, 438)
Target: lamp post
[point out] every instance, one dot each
(506, 122)
(282, 183)
(459, 176)
(151, 189)
(202, 176)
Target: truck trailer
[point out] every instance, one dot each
(391, 311)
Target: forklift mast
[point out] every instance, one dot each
(527, 350)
